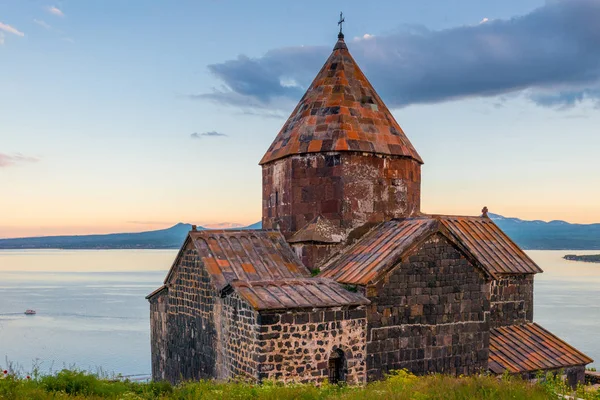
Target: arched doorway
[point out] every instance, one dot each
(337, 366)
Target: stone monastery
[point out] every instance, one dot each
(348, 279)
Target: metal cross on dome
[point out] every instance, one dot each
(340, 22)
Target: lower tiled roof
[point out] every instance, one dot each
(247, 255)
(296, 293)
(528, 348)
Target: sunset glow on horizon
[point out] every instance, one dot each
(141, 128)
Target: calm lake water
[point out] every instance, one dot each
(91, 311)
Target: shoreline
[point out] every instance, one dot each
(589, 258)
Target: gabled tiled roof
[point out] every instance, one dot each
(377, 251)
(380, 249)
(340, 111)
(528, 348)
(297, 293)
(490, 246)
(263, 269)
(320, 230)
(246, 255)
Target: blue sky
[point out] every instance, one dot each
(133, 115)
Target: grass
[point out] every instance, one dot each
(73, 384)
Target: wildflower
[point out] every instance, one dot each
(5, 372)
(28, 377)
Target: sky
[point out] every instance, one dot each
(123, 116)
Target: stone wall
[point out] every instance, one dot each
(573, 376)
(429, 314)
(349, 189)
(196, 334)
(312, 254)
(591, 377)
(295, 346)
(511, 300)
(192, 333)
(208, 336)
(238, 334)
(277, 196)
(158, 334)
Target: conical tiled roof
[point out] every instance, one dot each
(341, 111)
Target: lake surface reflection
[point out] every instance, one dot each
(91, 311)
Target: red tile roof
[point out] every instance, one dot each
(490, 246)
(320, 230)
(248, 255)
(377, 252)
(264, 270)
(380, 249)
(297, 293)
(528, 348)
(340, 111)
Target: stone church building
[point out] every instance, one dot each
(348, 279)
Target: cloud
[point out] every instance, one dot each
(366, 36)
(10, 29)
(42, 24)
(7, 160)
(262, 83)
(275, 114)
(566, 99)
(551, 54)
(55, 11)
(197, 135)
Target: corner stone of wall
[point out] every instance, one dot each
(158, 334)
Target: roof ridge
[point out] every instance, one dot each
(234, 230)
(443, 216)
(286, 281)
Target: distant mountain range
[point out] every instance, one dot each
(531, 235)
(553, 235)
(170, 238)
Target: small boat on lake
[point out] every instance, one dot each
(30, 312)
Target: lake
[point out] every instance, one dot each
(91, 311)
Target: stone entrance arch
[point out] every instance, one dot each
(337, 366)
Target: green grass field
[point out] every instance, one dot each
(69, 384)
